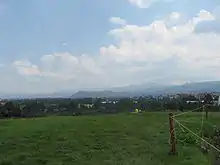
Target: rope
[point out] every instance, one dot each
(180, 114)
(179, 127)
(187, 121)
(198, 136)
(201, 128)
(202, 123)
(182, 129)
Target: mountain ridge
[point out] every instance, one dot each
(196, 87)
(126, 91)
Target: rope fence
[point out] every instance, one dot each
(172, 138)
(180, 114)
(197, 136)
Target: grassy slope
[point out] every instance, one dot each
(96, 140)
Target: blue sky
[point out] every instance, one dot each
(35, 27)
(31, 29)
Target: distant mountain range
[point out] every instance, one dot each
(102, 94)
(211, 86)
(155, 89)
(128, 91)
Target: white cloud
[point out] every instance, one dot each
(117, 20)
(67, 65)
(211, 25)
(60, 70)
(174, 19)
(146, 3)
(155, 43)
(25, 67)
(142, 3)
(204, 15)
(154, 52)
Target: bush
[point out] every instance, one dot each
(186, 138)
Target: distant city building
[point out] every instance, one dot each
(191, 101)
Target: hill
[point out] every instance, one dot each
(151, 89)
(102, 94)
(127, 91)
(208, 86)
(211, 86)
(127, 139)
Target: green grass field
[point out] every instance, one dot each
(123, 139)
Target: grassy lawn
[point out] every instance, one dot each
(124, 139)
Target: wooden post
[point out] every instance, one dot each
(172, 135)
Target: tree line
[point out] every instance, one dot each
(94, 106)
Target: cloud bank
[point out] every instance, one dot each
(166, 51)
(146, 3)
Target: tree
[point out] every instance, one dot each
(11, 110)
(97, 103)
(208, 99)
